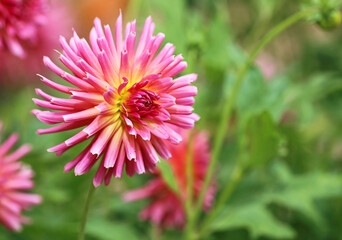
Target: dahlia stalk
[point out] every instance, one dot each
(19, 24)
(125, 97)
(15, 179)
(167, 208)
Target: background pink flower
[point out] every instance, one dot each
(57, 21)
(14, 180)
(267, 65)
(166, 208)
(124, 96)
(19, 24)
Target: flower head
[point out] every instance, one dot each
(268, 66)
(124, 96)
(19, 23)
(14, 180)
(57, 20)
(166, 208)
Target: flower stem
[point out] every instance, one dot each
(225, 195)
(188, 234)
(230, 100)
(86, 211)
(189, 186)
(189, 173)
(156, 232)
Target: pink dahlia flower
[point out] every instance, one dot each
(14, 179)
(57, 20)
(124, 96)
(166, 208)
(267, 65)
(19, 23)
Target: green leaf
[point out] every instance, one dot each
(168, 175)
(171, 21)
(217, 54)
(256, 218)
(298, 194)
(263, 139)
(105, 230)
(257, 95)
(295, 192)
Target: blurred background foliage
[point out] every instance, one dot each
(286, 126)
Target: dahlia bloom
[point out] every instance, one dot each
(57, 21)
(19, 23)
(124, 96)
(166, 208)
(267, 65)
(14, 179)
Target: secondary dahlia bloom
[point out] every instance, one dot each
(267, 65)
(166, 208)
(19, 24)
(15, 179)
(57, 20)
(124, 96)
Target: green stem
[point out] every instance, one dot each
(190, 173)
(231, 99)
(86, 211)
(188, 234)
(156, 232)
(226, 193)
(189, 185)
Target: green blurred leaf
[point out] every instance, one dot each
(300, 192)
(257, 95)
(217, 54)
(171, 21)
(256, 218)
(263, 139)
(168, 175)
(105, 230)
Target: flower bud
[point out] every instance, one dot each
(330, 20)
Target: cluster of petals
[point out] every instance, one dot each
(19, 24)
(58, 20)
(15, 180)
(166, 207)
(124, 97)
